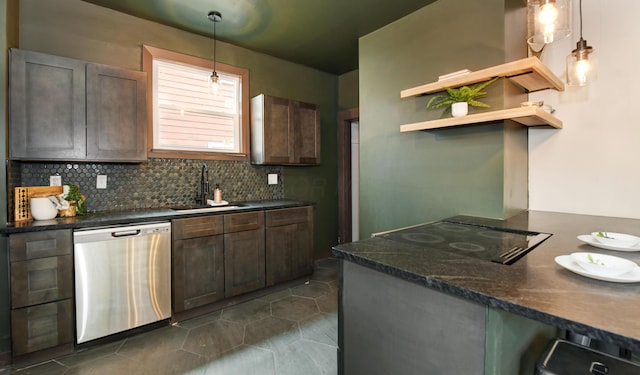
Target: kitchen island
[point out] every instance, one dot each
(430, 309)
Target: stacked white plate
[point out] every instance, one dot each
(612, 241)
(601, 266)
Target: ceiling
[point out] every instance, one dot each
(322, 34)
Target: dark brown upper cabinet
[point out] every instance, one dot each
(284, 131)
(72, 110)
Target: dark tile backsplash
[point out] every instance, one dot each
(156, 183)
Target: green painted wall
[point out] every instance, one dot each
(514, 343)
(81, 30)
(348, 95)
(409, 178)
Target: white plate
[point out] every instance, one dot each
(568, 263)
(593, 242)
(616, 239)
(603, 264)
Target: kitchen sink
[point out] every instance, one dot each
(199, 208)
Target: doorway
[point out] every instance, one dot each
(348, 175)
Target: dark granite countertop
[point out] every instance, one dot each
(137, 216)
(535, 286)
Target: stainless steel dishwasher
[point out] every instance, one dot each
(122, 278)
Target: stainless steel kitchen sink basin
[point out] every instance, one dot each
(195, 209)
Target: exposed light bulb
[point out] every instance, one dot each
(582, 71)
(578, 64)
(215, 83)
(547, 17)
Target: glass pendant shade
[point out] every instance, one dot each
(578, 65)
(547, 21)
(214, 84)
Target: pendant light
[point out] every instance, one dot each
(547, 21)
(215, 17)
(578, 66)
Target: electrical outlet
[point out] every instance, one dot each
(101, 181)
(55, 180)
(272, 179)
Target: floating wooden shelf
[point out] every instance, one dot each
(529, 73)
(528, 116)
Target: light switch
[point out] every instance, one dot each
(101, 181)
(55, 180)
(273, 179)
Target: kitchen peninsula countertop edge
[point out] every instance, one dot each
(535, 287)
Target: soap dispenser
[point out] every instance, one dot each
(217, 194)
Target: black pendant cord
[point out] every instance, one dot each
(580, 5)
(214, 44)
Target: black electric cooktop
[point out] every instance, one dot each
(500, 245)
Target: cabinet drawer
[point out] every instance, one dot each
(25, 246)
(287, 216)
(41, 280)
(243, 221)
(197, 227)
(41, 327)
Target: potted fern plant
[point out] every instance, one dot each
(457, 101)
(76, 199)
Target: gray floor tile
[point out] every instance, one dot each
(244, 360)
(47, 368)
(148, 345)
(247, 312)
(259, 333)
(321, 328)
(292, 331)
(214, 338)
(294, 308)
(311, 289)
(90, 354)
(111, 364)
(201, 320)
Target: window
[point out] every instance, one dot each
(187, 119)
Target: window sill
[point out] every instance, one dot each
(174, 154)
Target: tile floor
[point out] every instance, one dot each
(293, 331)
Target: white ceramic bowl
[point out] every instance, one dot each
(42, 208)
(615, 239)
(603, 265)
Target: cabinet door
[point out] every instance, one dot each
(41, 280)
(288, 252)
(279, 243)
(198, 272)
(302, 251)
(42, 326)
(116, 114)
(278, 137)
(289, 244)
(244, 261)
(307, 133)
(34, 245)
(47, 107)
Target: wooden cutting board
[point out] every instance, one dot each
(21, 196)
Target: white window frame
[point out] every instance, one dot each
(241, 131)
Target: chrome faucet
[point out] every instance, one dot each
(204, 184)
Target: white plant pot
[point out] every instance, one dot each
(459, 109)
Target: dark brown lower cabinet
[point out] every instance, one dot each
(41, 274)
(41, 327)
(198, 262)
(289, 244)
(223, 256)
(244, 258)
